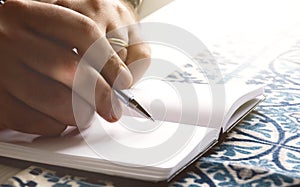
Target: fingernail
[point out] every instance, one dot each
(117, 108)
(124, 78)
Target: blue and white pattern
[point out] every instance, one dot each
(36, 176)
(264, 149)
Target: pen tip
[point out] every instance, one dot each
(152, 119)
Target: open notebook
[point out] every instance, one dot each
(156, 152)
(186, 126)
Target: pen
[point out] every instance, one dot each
(132, 103)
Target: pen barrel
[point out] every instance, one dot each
(124, 97)
(129, 101)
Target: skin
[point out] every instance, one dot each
(38, 64)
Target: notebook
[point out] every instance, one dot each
(133, 147)
(136, 147)
(185, 127)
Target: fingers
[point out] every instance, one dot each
(56, 59)
(107, 103)
(138, 53)
(49, 53)
(93, 87)
(63, 69)
(112, 69)
(138, 60)
(116, 73)
(113, 35)
(47, 57)
(117, 35)
(111, 22)
(41, 93)
(18, 116)
(79, 31)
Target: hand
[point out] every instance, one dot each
(116, 18)
(38, 64)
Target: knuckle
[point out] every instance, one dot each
(146, 51)
(97, 5)
(89, 27)
(113, 61)
(111, 67)
(120, 8)
(86, 25)
(70, 64)
(116, 7)
(141, 51)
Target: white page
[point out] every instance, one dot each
(104, 138)
(164, 101)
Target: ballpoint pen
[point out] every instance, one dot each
(129, 101)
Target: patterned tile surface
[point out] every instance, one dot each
(264, 149)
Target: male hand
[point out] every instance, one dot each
(38, 64)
